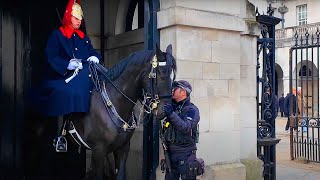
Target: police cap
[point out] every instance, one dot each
(183, 85)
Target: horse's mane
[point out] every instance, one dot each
(139, 57)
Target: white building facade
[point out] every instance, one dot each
(300, 17)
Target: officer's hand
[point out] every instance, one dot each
(93, 59)
(168, 108)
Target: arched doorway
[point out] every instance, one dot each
(305, 76)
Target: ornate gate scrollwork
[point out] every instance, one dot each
(266, 98)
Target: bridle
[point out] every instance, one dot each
(151, 98)
(151, 93)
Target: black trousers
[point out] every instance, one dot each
(179, 164)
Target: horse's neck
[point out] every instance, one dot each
(128, 84)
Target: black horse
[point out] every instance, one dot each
(146, 76)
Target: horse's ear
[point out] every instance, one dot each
(159, 53)
(169, 49)
(158, 49)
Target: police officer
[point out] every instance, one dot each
(181, 133)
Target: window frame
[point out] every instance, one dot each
(305, 71)
(302, 14)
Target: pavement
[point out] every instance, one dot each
(288, 169)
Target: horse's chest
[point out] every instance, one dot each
(121, 140)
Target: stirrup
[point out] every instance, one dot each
(60, 143)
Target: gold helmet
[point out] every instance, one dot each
(77, 11)
(73, 9)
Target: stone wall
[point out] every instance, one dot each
(215, 47)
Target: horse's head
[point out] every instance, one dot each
(160, 80)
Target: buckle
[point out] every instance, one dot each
(181, 163)
(109, 103)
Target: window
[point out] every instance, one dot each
(135, 15)
(302, 14)
(304, 71)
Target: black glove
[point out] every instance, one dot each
(168, 108)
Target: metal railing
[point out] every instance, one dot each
(289, 32)
(304, 109)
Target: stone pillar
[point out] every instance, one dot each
(216, 52)
(248, 114)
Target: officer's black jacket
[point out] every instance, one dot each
(184, 121)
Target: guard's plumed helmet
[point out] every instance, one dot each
(77, 11)
(73, 9)
(183, 85)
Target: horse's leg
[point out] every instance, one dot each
(121, 156)
(109, 167)
(98, 158)
(40, 155)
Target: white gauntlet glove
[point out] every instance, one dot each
(74, 63)
(93, 59)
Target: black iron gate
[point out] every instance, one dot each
(304, 93)
(151, 131)
(266, 98)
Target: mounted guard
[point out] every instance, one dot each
(98, 102)
(67, 86)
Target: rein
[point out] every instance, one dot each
(150, 100)
(93, 69)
